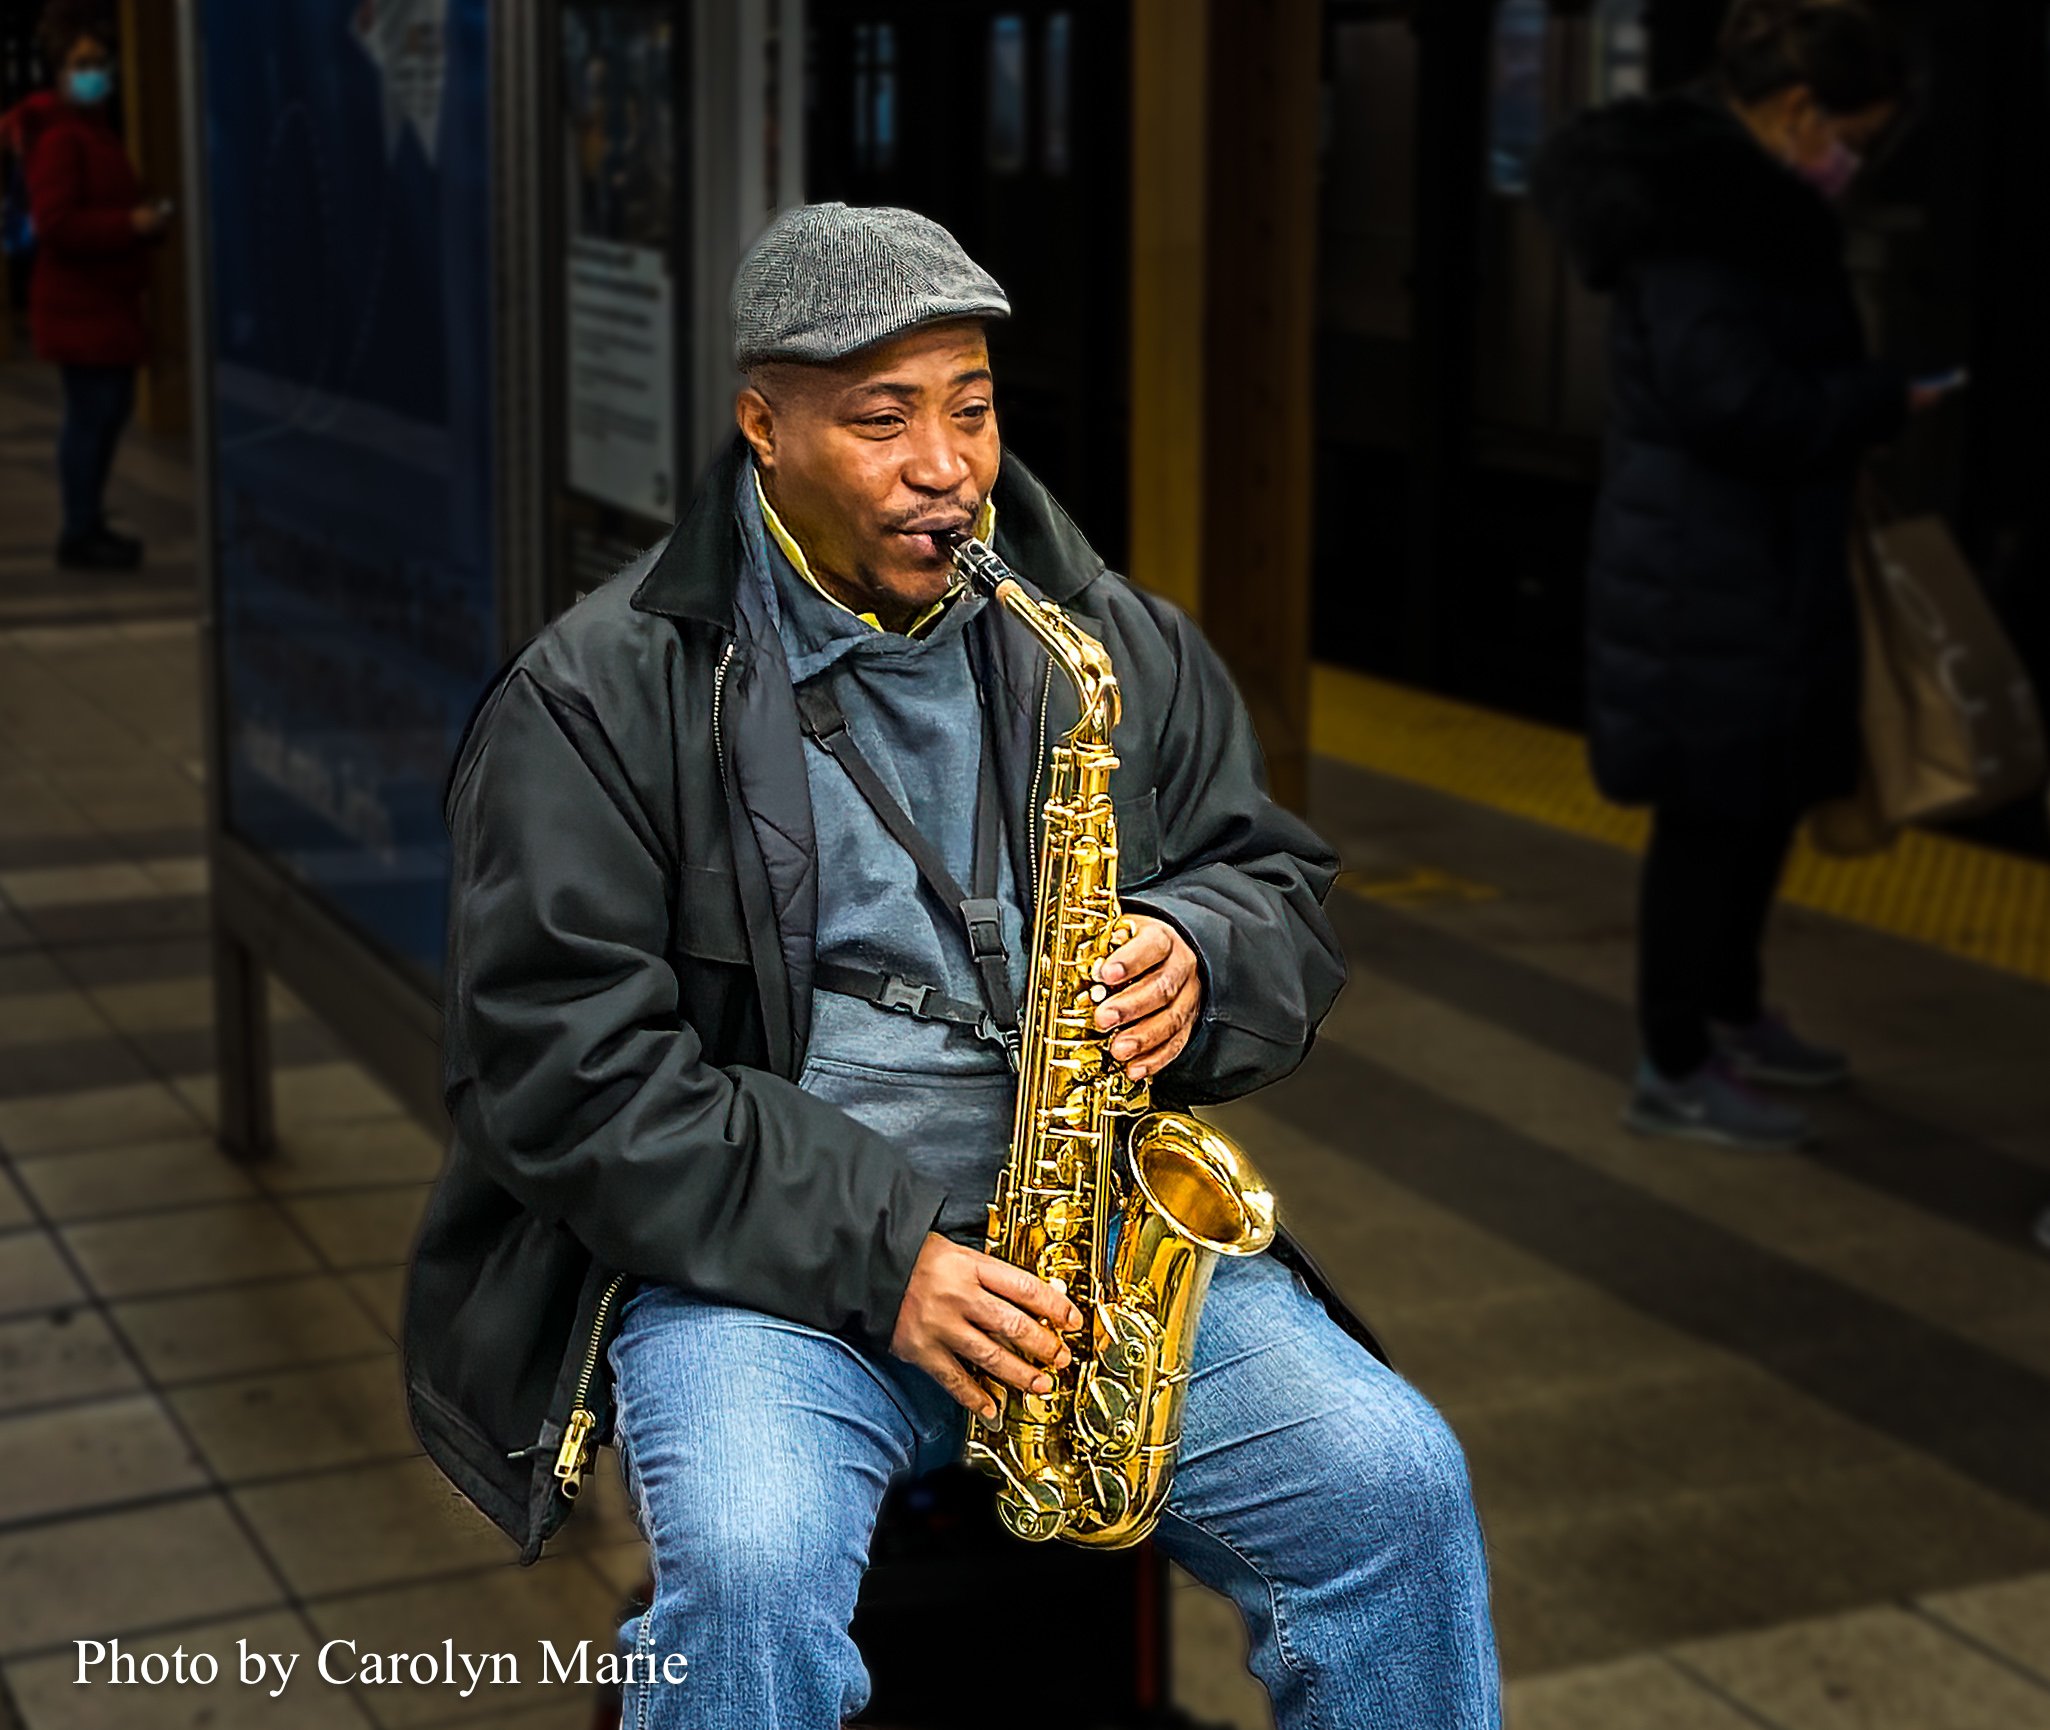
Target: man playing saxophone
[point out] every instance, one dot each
(744, 856)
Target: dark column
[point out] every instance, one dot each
(1453, 45)
(155, 132)
(2008, 441)
(1260, 265)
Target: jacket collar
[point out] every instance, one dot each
(698, 568)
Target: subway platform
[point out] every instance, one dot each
(1757, 1440)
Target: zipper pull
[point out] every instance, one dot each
(576, 1448)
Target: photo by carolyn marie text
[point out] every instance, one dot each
(105, 1663)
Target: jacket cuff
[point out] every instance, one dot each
(1187, 920)
(913, 1211)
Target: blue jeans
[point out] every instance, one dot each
(97, 403)
(1316, 1488)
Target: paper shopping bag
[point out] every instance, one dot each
(1951, 724)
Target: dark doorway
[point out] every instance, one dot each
(1010, 125)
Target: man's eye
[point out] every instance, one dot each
(976, 411)
(884, 422)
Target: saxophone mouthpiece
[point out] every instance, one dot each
(975, 561)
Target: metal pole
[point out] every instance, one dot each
(520, 121)
(242, 1062)
(790, 54)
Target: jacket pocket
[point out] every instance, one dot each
(1138, 823)
(707, 916)
(458, 1421)
(497, 1482)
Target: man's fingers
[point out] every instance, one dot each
(1150, 991)
(1149, 1046)
(1150, 945)
(1018, 1330)
(964, 1389)
(1035, 1297)
(980, 1353)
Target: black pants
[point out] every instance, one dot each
(1707, 889)
(97, 403)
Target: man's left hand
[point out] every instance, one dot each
(1151, 992)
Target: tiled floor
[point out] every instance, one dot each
(1756, 1441)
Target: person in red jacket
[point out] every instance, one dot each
(92, 231)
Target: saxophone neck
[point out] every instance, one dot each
(1081, 658)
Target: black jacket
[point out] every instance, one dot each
(628, 988)
(1723, 649)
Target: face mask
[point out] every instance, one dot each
(1832, 176)
(91, 85)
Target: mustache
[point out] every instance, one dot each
(957, 514)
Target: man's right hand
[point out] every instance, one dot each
(966, 1314)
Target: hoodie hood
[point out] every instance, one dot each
(1676, 177)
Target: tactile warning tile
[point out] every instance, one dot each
(1976, 902)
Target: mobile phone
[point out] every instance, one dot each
(1955, 379)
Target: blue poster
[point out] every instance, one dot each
(348, 159)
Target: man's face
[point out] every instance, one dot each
(867, 459)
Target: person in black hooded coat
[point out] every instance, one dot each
(1723, 634)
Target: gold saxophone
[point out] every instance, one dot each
(1124, 1208)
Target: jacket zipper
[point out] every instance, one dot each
(718, 700)
(575, 1453)
(1032, 810)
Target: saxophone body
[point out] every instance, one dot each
(1127, 1209)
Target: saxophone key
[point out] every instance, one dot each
(1063, 1220)
(1105, 1415)
(1110, 1495)
(1059, 1264)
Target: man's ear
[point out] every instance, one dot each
(757, 423)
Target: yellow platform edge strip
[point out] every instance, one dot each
(1977, 903)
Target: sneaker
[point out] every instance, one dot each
(100, 550)
(1770, 1050)
(1712, 1104)
(127, 546)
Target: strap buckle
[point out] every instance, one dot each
(985, 922)
(902, 995)
(820, 714)
(1007, 1037)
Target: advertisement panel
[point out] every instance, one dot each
(619, 291)
(347, 154)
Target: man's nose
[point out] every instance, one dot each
(935, 461)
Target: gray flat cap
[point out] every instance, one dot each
(827, 279)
